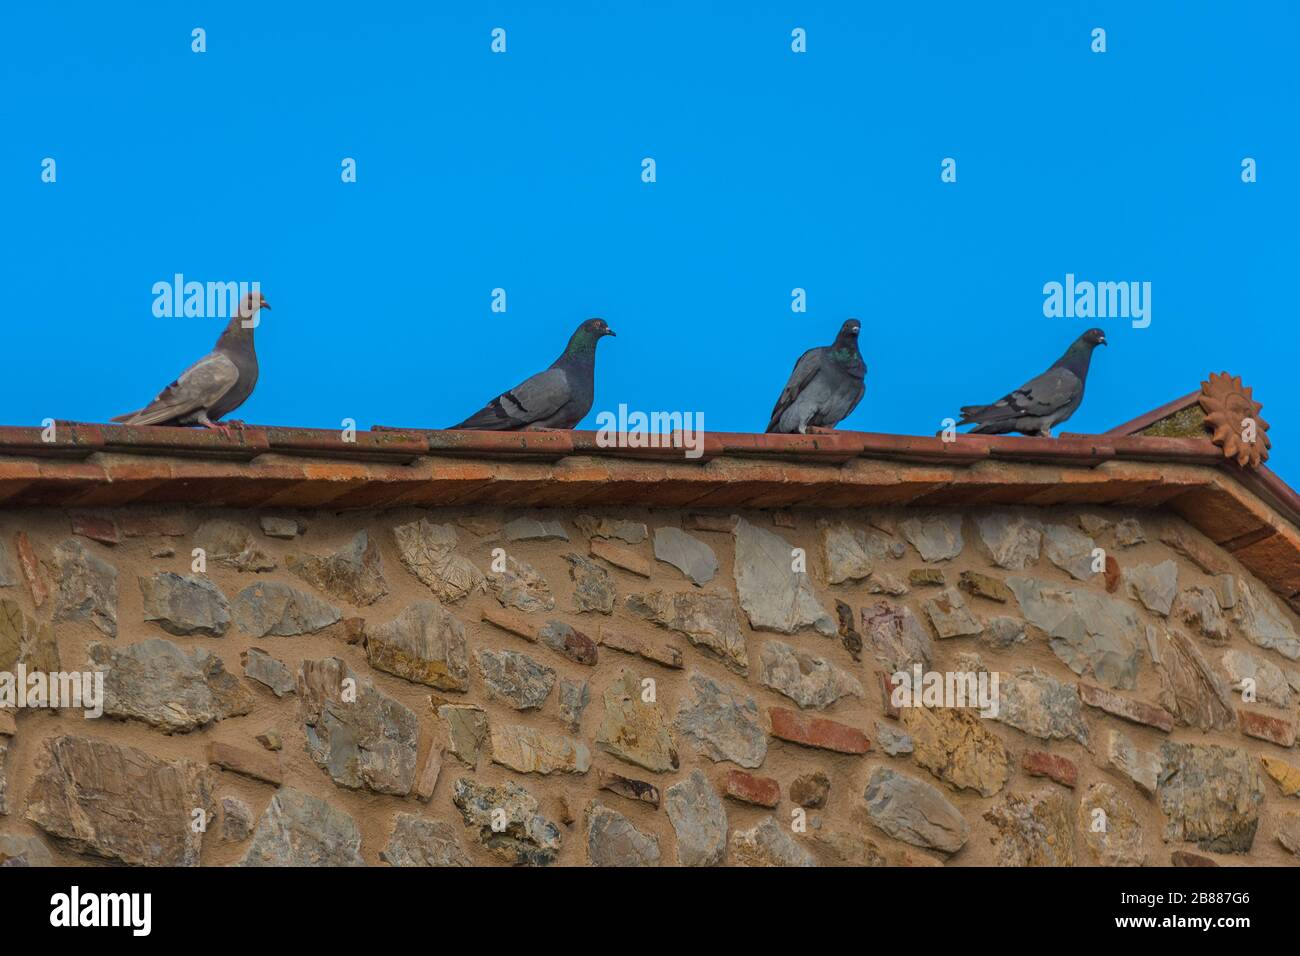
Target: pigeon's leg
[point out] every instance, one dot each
(1045, 431)
(543, 428)
(206, 422)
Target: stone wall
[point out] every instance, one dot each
(479, 687)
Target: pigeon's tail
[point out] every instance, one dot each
(990, 419)
(126, 419)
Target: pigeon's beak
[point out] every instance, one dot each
(265, 305)
(611, 332)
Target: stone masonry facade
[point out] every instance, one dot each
(630, 686)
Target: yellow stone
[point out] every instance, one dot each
(1287, 776)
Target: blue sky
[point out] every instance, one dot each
(775, 170)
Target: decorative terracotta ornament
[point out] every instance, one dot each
(1233, 417)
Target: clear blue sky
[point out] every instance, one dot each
(522, 171)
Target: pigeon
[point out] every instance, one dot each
(213, 386)
(1042, 402)
(557, 398)
(826, 385)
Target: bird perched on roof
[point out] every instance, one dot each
(1042, 402)
(216, 384)
(826, 385)
(556, 398)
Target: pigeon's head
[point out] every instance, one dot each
(251, 302)
(597, 328)
(1094, 337)
(850, 329)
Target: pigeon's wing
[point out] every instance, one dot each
(808, 365)
(198, 388)
(535, 400)
(1038, 397)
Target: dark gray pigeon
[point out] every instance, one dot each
(826, 385)
(1042, 402)
(557, 398)
(213, 386)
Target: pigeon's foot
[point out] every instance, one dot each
(543, 428)
(819, 430)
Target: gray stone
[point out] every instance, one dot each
(521, 586)
(884, 582)
(895, 637)
(420, 841)
(1191, 690)
(1288, 833)
(275, 609)
(634, 729)
(1094, 524)
(935, 537)
(561, 637)
(698, 819)
(1263, 623)
(773, 595)
(23, 851)
(1140, 766)
(950, 616)
(515, 678)
(266, 670)
(529, 750)
(185, 605)
(428, 551)
(1070, 551)
(8, 568)
(722, 723)
(1091, 633)
(1128, 533)
(915, 812)
(686, 553)
(276, 527)
(23, 641)
(575, 695)
(1210, 795)
(1268, 680)
(358, 735)
(708, 619)
(159, 683)
(231, 546)
(768, 844)
(593, 588)
(1012, 540)
(236, 820)
(633, 532)
(1041, 706)
(467, 731)
(1003, 632)
(845, 554)
(354, 574)
(120, 803)
(1198, 607)
(424, 644)
(298, 829)
(87, 587)
(1154, 585)
(532, 529)
(892, 740)
(807, 680)
(612, 840)
(521, 835)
